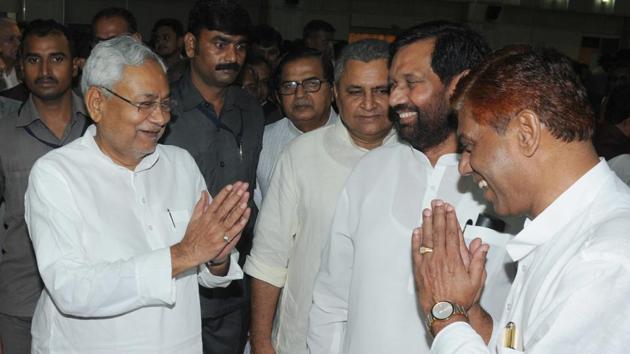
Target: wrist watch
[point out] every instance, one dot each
(443, 310)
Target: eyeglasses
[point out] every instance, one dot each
(290, 87)
(148, 107)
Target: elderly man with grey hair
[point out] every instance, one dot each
(122, 227)
(297, 211)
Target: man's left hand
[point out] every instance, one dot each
(450, 271)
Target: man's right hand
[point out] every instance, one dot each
(214, 229)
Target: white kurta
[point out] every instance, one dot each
(101, 235)
(570, 294)
(294, 223)
(276, 137)
(364, 299)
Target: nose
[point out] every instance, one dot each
(299, 91)
(231, 53)
(367, 103)
(44, 68)
(159, 116)
(464, 164)
(397, 95)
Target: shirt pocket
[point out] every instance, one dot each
(177, 222)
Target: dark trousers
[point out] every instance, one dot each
(15, 333)
(225, 326)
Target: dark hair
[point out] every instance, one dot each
(618, 105)
(42, 28)
(520, 77)
(303, 53)
(219, 15)
(172, 23)
(265, 36)
(315, 26)
(457, 47)
(125, 14)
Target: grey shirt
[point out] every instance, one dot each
(23, 139)
(226, 148)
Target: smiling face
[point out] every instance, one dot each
(495, 163)
(124, 133)
(48, 66)
(418, 97)
(362, 98)
(216, 58)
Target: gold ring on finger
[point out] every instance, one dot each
(425, 250)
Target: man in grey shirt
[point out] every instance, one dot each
(221, 126)
(51, 117)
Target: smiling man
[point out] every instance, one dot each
(363, 298)
(296, 214)
(121, 226)
(221, 126)
(51, 117)
(526, 125)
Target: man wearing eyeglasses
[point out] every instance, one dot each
(303, 86)
(10, 37)
(51, 117)
(221, 126)
(121, 226)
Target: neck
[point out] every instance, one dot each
(211, 94)
(448, 146)
(55, 113)
(312, 124)
(128, 164)
(559, 170)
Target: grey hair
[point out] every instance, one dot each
(105, 65)
(364, 50)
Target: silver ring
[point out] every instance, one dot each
(226, 238)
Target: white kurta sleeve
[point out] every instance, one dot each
(329, 311)
(78, 285)
(276, 226)
(209, 280)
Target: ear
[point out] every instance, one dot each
(75, 66)
(190, 42)
(454, 81)
(94, 101)
(528, 131)
(137, 36)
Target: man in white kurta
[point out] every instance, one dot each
(364, 300)
(119, 241)
(295, 218)
(570, 290)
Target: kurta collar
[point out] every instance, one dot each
(146, 163)
(332, 118)
(562, 211)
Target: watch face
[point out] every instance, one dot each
(442, 310)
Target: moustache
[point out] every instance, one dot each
(302, 104)
(46, 80)
(228, 66)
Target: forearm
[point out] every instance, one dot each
(264, 301)
(480, 321)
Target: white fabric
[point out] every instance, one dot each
(294, 223)
(621, 166)
(364, 299)
(571, 291)
(101, 235)
(276, 137)
(10, 79)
